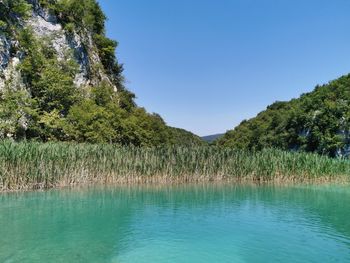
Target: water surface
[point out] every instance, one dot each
(203, 223)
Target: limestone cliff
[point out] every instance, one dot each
(46, 26)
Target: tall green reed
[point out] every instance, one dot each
(34, 165)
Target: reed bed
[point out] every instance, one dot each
(33, 165)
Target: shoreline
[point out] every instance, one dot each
(181, 181)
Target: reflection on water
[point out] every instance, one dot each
(203, 223)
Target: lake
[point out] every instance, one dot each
(189, 223)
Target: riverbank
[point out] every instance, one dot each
(33, 165)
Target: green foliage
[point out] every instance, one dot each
(69, 27)
(11, 12)
(51, 84)
(3, 25)
(143, 129)
(184, 138)
(85, 14)
(15, 106)
(317, 122)
(126, 100)
(101, 119)
(50, 125)
(106, 48)
(89, 122)
(55, 88)
(19, 8)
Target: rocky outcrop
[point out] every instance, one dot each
(47, 27)
(4, 58)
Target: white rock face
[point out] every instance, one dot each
(13, 76)
(4, 52)
(45, 26)
(5, 47)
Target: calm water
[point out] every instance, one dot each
(177, 224)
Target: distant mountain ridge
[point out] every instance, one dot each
(211, 138)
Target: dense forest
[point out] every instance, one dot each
(47, 105)
(318, 121)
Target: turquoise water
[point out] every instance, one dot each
(177, 224)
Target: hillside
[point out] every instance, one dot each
(212, 138)
(318, 121)
(60, 79)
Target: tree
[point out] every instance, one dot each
(15, 109)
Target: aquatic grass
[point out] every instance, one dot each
(34, 165)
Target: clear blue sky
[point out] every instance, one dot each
(205, 65)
